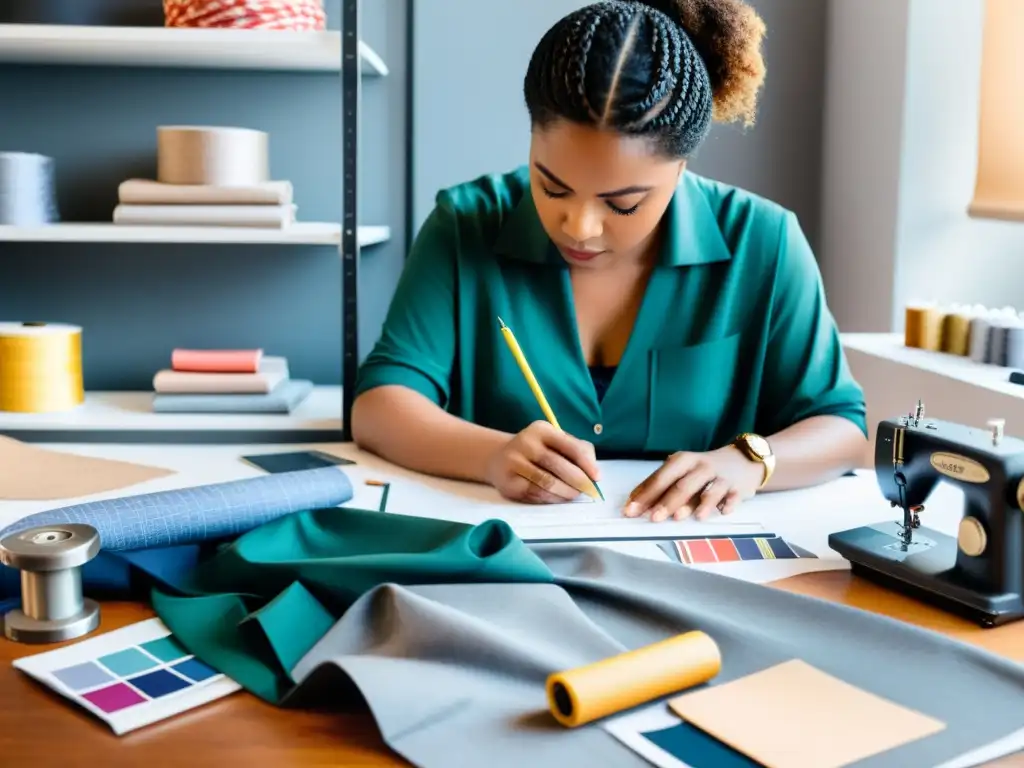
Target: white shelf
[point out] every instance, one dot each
(130, 413)
(373, 235)
(890, 347)
(182, 48)
(100, 232)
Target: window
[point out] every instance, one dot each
(999, 186)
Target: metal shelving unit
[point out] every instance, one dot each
(125, 416)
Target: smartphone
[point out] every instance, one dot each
(294, 461)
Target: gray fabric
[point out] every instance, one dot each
(454, 674)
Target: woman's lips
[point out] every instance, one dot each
(575, 255)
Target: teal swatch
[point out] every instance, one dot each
(127, 662)
(165, 649)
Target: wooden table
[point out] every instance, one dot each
(38, 726)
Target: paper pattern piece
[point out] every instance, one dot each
(665, 741)
(131, 677)
(793, 715)
(472, 503)
(34, 473)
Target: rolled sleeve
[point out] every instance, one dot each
(416, 348)
(806, 372)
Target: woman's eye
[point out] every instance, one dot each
(555, 195)
(623, 211)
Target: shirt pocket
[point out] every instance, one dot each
(690, 392)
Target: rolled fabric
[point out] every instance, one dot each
(198, 514)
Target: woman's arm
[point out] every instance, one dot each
(810, 452)
(402, 426)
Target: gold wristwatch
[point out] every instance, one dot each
(756, 448)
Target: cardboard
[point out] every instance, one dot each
(793, 715)
(29, 472)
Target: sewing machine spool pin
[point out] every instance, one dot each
(979, 572)
(53, 608)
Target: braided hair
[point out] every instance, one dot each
(662, 69)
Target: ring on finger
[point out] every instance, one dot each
(707, 486)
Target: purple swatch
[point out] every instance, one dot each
(82, 676)
(113, 698)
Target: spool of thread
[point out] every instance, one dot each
(1014, 345)
(582, 695)
(28, 190)
(219, 157)
(292, 15)
(956, 331)
(53, 608)
(981, 323)
(923, 326)
(40, 367)
(995, 353)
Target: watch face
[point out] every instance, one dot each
(758, 445)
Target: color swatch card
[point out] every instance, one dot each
(731, 549)
(130, 677)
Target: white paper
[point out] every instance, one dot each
(422, 496)
(629, 729)
(77, 673)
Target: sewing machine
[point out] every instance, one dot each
(980, 573)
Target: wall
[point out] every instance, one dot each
(900, 158)
(470, 119)
(137, 302)
(862, 146)
(942, 253)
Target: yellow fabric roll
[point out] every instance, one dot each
(40, 367)
(582, 695)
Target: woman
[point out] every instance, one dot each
(662, 313)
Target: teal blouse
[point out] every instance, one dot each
(733, 334)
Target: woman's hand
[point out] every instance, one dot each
(696, 484)
(542, 465)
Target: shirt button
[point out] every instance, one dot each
(598, 429)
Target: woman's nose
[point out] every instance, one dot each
(582, 224)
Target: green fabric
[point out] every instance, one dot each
(255, 607)
(733, 335)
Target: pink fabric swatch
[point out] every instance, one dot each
(217, 360)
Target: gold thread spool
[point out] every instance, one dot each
(40, 367)
(956, 333)
(582, 695)
(923, 327)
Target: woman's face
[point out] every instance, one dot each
(599, 195)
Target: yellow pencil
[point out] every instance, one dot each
(594, 491)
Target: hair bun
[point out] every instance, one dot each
(727, 34)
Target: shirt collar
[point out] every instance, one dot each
(692, 234)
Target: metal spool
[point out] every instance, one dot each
(53, 608)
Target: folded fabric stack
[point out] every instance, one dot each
(227, 381)
(208, 176)
(265, 204)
